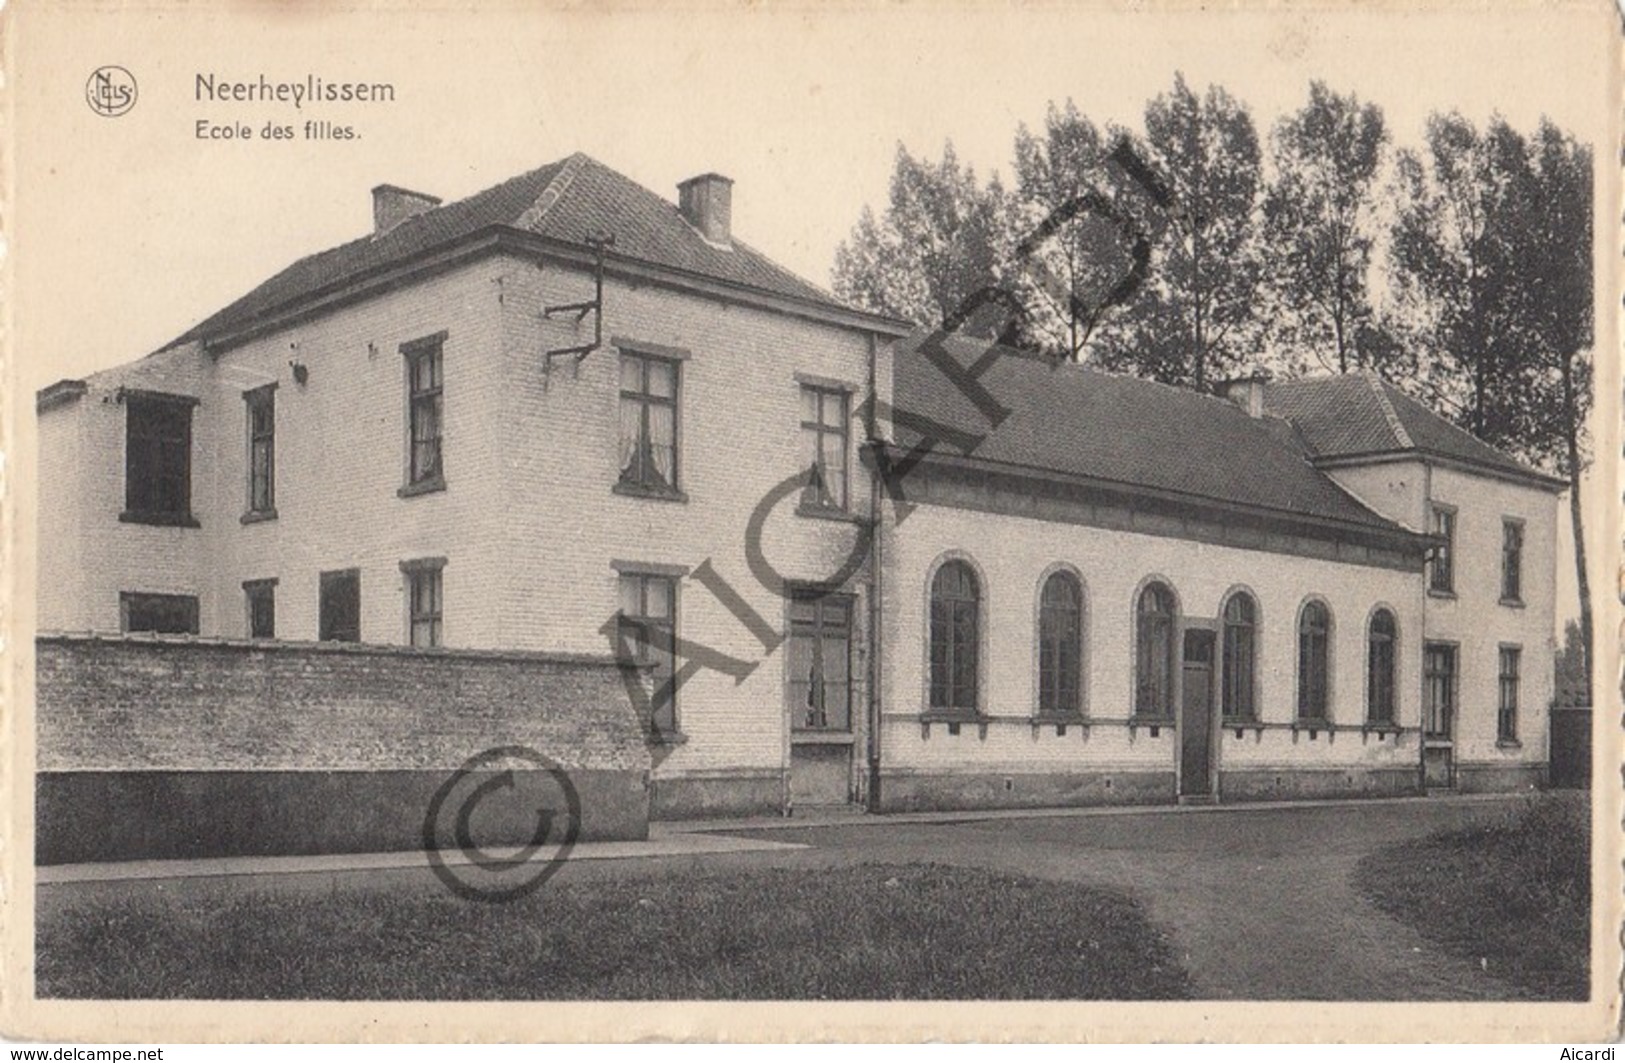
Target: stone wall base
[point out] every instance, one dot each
(961, 791)
(157, 815)
(1499, 778)
(720, 796)
(1292, 784)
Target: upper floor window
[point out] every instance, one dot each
(162, 614)
(1511, 561)
(648, 433)
(1382, 641)
(824, 446)
(956, 601)
(261, 403)
(1442, 567)
(1240, 658)
(158, 458)
(648, 629)
(1314, 661)
(1154, 652)
(1506, 717)
(1060, 646)
(425, 386)
(423, 608)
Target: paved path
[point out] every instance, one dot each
(1258, 901)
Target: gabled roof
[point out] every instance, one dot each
(1360, 415)
(569, 201)
(1123, 430)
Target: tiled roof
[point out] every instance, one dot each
(1361, 414)
(1077, 421)
(569, 200)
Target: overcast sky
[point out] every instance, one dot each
(131, 229)
(128, 230)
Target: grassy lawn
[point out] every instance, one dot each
(1513, 895)
(865, 932)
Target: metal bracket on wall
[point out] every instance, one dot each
(594, 306)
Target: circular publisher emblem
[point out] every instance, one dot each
(110, 91)
(518, 792)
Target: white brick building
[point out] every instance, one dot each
(376, 445)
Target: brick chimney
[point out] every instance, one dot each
(707, 202)
(1247, 391)
(392, 205)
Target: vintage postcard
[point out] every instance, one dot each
(1002, 521)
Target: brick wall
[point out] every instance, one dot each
(145, 703)
(165, 747)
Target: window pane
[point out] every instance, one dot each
(631, 434)
(657, 597)
(631, 373)
(809, 406)
(628, 596)
(662, 378)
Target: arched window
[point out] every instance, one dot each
(1240, 656)
(955, 622)
(1380, 667)
(1060, 640)
(1154, 652)
(1314, 640)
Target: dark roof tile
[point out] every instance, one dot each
(569, 200)
(1077, 421)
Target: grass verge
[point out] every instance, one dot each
(1513, 895)
(865, 932)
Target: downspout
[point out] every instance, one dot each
(876, 516)
(1422, 648)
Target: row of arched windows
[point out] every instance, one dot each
(955, 649)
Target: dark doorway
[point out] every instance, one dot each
(1196, 716)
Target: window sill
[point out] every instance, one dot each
(422, 487)
(821, 738)
(828, 513)
(1513, 603)
(668, 738)
(656, 494)
(258, 516)
(953, 719)
(1434, 592)
(1508, 743)
(161, 520)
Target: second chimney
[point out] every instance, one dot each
(392, 205)
(1247, 391)
(707, 202)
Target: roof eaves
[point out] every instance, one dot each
(494, 237)
(1514, 473)
(1378, 525)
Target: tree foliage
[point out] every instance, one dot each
(1196, 320)
(1320, 227)
(935, 245)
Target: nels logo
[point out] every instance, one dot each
(110, 91)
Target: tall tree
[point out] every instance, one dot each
(935, 245)
(1074, 229)
(1453, 252)
(1492, 261)
(1319, 227)
(1558, 263)
(1196, 319)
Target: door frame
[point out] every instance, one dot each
(1448, 741)
(1211, 626)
